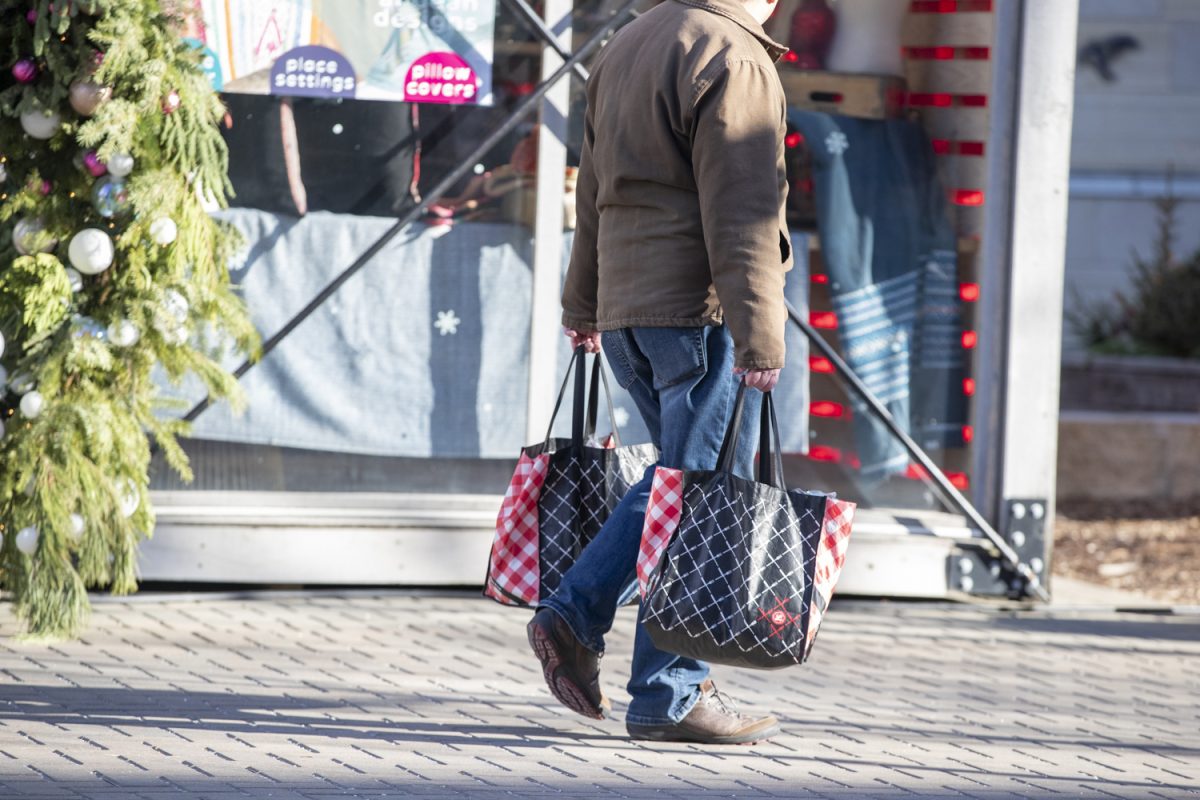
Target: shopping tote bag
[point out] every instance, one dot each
(561, 493)
(735, 571)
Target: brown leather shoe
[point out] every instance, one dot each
(571, 670)
(711, 721)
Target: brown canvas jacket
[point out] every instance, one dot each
(681, 189)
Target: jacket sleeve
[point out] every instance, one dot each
(737, 152)
(580, 285)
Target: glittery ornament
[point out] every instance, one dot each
(110, 196)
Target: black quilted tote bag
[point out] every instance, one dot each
(561, 493)
(735, 571)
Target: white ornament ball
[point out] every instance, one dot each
(175, 305)
(163, 231)
(1, 346)
(3, 378)
(23, 233)
(121, 164)
(176, 336)
(1, 429)
(3, 172)
(130, 497)
(77, 527)
(27, 540)
(32, 404)
(75, 278)
(40, 124)
(21, 383)
(124, 333)
(91, 251)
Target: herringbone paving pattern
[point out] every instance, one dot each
(323, 696)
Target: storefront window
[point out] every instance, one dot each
(413, 376)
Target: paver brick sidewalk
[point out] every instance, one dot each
(323, 696)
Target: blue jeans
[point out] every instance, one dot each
(683, 384)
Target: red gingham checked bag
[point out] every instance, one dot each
(561, 493)
(739, 572)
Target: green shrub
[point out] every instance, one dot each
(1160, 314)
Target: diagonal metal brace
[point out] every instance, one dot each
(941, 484)
(538, 27)
(518, 113)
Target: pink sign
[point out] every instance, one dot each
(441, 77)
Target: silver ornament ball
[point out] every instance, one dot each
(27, 540)
(164, 231)
(25, 234)
(85, 97)
(123, 333)
(32, 404)
(75, 278)
(41, 124)
(121, 164)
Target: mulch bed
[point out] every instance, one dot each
(1151, 548)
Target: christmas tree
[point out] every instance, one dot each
(113, 281)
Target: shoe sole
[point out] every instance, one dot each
(565, 691)
(673, 734)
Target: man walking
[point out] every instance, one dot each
(679, 258)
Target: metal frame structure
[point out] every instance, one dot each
(1002, 549)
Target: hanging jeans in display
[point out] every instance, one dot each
(889, 250)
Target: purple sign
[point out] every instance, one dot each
(313, 71)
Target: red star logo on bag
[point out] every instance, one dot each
(779, 617)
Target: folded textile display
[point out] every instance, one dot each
(739, 572)
(561, 493)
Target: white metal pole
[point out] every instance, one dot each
(1037, 242)
(548, 230)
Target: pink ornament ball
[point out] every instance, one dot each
(93, 164)
(31, 16)
(46, 188)
(24, 70)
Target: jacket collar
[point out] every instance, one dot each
(734, 10)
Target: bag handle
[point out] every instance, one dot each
(583, 416)
(770, 453)
(769, 468)
(600, 376)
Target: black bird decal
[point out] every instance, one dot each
(1101, 53)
